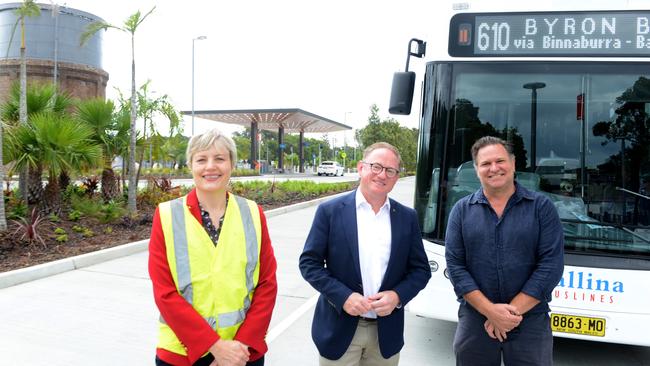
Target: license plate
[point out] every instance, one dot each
(578, 324)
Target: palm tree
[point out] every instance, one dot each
(130, 26)
(122, 136)
(148, 108)
(3, 216)
(99, 115)
(52, 142)
(39, 98)
(29, 8)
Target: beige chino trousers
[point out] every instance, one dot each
(363, 350)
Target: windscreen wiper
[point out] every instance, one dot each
(632, 192)
(609, 224)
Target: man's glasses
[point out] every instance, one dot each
(377, 168)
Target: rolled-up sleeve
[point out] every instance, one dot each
(455, 254)
(550, 254)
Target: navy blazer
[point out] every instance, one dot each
(330, 263)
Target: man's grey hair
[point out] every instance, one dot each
(383, 145)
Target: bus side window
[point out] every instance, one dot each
(432, 205)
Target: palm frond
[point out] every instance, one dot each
(97, 113)
(93, 28)
(11, 38)
(9, 110)
(28, 9)
(53, 141)
(131, 23)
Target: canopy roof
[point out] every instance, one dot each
(293, 120)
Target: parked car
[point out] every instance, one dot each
(330, 168)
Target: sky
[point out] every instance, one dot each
(331, 58)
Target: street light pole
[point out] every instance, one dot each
(345, 134)
(533, 121)
(55, 15)
(199, 38)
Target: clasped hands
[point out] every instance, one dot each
(383, 303)
(229, 353)
(502, 319)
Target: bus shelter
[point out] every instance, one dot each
(282, 120)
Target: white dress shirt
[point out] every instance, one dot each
(374, 235)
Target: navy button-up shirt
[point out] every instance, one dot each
(522, 251)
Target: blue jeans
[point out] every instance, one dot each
(207, 359)
(531, 343)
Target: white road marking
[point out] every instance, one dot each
(286, 323)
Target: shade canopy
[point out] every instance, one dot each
(291, 120)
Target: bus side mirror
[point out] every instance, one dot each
(401, 93)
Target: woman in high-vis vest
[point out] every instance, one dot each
(212, 267)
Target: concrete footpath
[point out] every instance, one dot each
(99, 307)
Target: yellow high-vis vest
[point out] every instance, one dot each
(217, 281)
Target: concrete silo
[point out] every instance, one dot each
(52, 44)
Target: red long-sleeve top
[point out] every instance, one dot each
(188, 325)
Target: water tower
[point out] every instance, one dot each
(52, 51)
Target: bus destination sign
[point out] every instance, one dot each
(556, 34)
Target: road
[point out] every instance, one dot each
(428, 341)
(105, 313)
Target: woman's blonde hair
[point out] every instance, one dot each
(206, 140)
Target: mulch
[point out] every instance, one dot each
(16, 253)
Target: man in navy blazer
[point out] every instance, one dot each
(364, 254)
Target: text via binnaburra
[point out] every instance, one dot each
(607, 34)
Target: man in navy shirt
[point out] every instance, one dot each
(505, 254)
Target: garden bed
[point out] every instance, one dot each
(89, 234)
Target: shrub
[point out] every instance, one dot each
(110, 212)
(90, 184)
(160, 190)
(74, 215)
(163, 184)
(264, 192)
(29, 228)
(244, 173)
(73, 190)
(85, 206)
(16, 208)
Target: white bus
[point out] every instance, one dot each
(571, 91)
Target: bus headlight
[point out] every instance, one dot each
(446, 273)
(433, 265)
